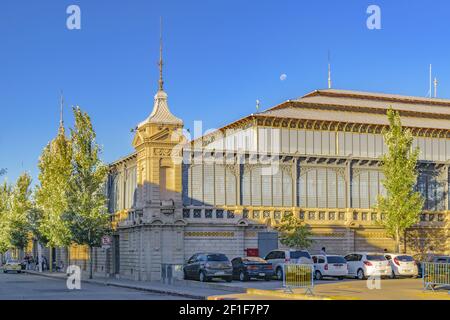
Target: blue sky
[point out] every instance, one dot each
(220, 56)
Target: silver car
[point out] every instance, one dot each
(206, 266)
(280, 257)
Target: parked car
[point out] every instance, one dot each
(435, 258)
(441, 259)
(280, 257)
(364, 264)
(251, 267)
(206, 266)
(402, 265)
(12, 265)
(332, 266)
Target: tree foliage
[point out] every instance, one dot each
(87, 216)
(51, 195)
(401, 205)
(21, 203)
(294, 233)
(5, 203)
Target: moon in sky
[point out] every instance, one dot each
(283, 77)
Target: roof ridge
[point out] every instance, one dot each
(377, 96)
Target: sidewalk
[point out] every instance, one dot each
(185, 289)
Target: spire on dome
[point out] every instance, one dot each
(161, 81)
(161, 113)
(61, 114)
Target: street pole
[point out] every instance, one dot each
(39, 257)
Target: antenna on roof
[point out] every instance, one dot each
(435, 87)
(329, 71)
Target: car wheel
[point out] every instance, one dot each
(229, 279)
(185, 276)
(340, 278)
(4, 271)
(279, 273)
(242, 276)
(318, 275)
(202, 277)
(360, 274)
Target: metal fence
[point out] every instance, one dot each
(171, 272)
(298, 276)
(435, 274)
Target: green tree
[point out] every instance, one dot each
(17, 222)
(294, 233)
(55, 169)
(87, 214)
(5, 203)
(401, 205)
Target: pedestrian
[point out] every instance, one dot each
(323, 251)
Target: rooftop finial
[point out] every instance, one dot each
(161, 81)
(435, 87)
(61, 113)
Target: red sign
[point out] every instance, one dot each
(252, 252)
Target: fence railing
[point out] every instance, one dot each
(298, 276)
(435, 274)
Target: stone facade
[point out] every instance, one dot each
(316, 157)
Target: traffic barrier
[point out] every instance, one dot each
(435, 274)
(298, 276)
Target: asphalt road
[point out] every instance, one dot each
(31, 287)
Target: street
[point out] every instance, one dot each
(31, 287)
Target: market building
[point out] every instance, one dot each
(316, 157)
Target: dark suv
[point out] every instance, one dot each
(205, 266)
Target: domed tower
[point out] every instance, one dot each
(158, 142)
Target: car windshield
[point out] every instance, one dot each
(299, 254)
(217, 257)
(253, 259)
(405, 258)
(375, 257)
(336, 259)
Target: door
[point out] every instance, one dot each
(236, 262)
(190, 265)
(351, 263)
(267, 241)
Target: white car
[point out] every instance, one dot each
(402, 265)
(329, 266)
(280, 257)
(12, 265)
(365, 264)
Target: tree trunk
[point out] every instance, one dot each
(68, 257)
(397, 241)
(39, 257)
(91, 249)
(51, 259)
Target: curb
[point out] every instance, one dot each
(126, 286)
(284, 295)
